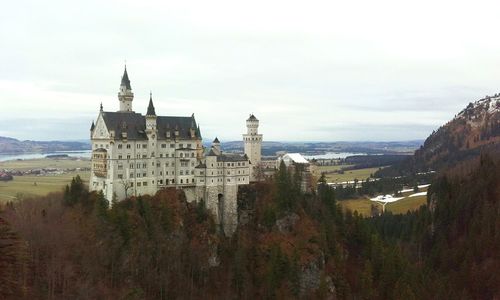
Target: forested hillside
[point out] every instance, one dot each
(475, 130)
(290, 245)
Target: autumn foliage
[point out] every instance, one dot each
(289, 245)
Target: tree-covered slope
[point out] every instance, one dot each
(474, 130)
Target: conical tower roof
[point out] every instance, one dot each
(151, 108)
(125, 80)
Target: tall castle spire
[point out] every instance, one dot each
(125, 95)
(151, 108)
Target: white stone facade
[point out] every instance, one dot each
(136, 154)
(253, 145)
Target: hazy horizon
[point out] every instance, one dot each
(318, 71)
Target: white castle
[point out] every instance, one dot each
(135, 154)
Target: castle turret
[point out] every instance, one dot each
(151, 115)
(253, 143)
(125, 95)
(216, 146)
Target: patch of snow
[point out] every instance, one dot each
(386, 199)
(418, 194)
(423, 186)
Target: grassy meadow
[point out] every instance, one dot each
(363, 205)
(39, 185)
(350, 175)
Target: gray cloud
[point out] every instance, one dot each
(298, 67)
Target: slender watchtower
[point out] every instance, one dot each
(125, 95)
(253, 144)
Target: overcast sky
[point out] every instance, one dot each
(309, 70)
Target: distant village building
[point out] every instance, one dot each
(135, 154)
(295, 162)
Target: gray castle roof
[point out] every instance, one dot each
(231, 157)
(125, 80)
(134, 125)
(151, 108)
(252, 118)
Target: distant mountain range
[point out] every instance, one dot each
(476, 129)
(269, 148)
(14, 146)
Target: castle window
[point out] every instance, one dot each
(161, 173)
(166, 164)
(181, 172)
(128, 146)
(157, 164)
(161, 181)
(182, 154)
(119, 146)
(181, 181)
(152, 154)
(131, 166)
(172, 145)
(145, 183)
(152, 164)
(138, 165)
(192, 180)
(161, 155)
(119, 157)
(131, 175)
(120, 167)
(144, 156)
(192, 154)
(192, 172)
(144, 174)
(144, 146)
(138, 146)
(152, 172)
(164, 145)
(181, 145)
(120, 176)
(128, 156)
(131, 184)
(138, 184)
(138, 175)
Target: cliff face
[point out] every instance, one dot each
(474, 130)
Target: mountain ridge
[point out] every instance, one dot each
(10, 145)
(474, 130)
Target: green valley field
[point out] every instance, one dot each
(39, 185)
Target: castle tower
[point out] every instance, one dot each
(125, 95)
(152, 133)
(151, 116)
(253, 144)
(216, 146)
